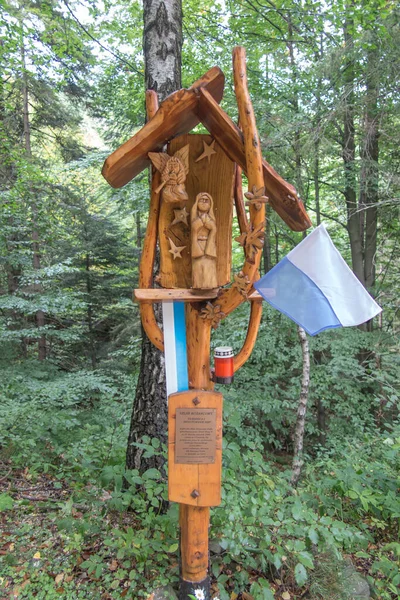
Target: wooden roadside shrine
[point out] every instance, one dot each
(196, 181)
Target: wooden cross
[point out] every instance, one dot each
(190, 215)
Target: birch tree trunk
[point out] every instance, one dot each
(301, 410)
(162, 43)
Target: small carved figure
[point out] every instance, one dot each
(204, 246)
(173, 171)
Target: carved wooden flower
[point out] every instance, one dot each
(256, 197)
(242, 283)
(213, 313)
(252, 242)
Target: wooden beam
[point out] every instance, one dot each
(194, 523)
(282, 195)
(232, 297)
(146, 267)
(251, 337)
(176, 116)
(194, 520)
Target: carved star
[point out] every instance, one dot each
(256, 197)
(181, 215)
(208, 151)
(175, 250)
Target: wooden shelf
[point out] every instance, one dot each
(185, 295)
(255, 296)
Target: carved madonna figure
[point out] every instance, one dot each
(204, 247)
(173, 171)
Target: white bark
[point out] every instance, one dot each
(301, 410)
(162, 43)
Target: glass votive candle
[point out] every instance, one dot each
(223, 365)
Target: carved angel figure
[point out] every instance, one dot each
(204, 247)
(173, 171)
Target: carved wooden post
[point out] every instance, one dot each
(191, 216)
(195, 520)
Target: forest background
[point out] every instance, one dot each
(324, 82)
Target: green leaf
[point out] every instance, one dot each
(313, 536)
(306, 559)
(173, 548)
(297, 511)
(300, 574)
(6, 502)
(151, 474)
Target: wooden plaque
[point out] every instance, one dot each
(195, 447)
(214, 176)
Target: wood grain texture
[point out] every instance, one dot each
(184, 295)
(146, 267)
(282, 195)
(198, 335)
(215, 178)
(252, 147)
(239, 202)
(194, 523)
(183, 479)
(176, 116)
(251, 337)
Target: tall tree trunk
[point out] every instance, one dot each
(40, 317)
(294, 101)
(92, 348)
(321, 412)
(348, 151)
(369, 169)
(162, 43)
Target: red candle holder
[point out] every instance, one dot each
(223, 365)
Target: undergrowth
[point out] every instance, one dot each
(72, 529)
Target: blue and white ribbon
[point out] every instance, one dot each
(174, 326)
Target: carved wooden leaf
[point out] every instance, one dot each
(242, 283)
(254, 243)
(256, 197)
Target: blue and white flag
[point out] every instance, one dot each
(174, 326)
(315, 288)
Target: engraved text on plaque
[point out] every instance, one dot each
(195, 442)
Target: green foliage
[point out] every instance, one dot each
(98, 529)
